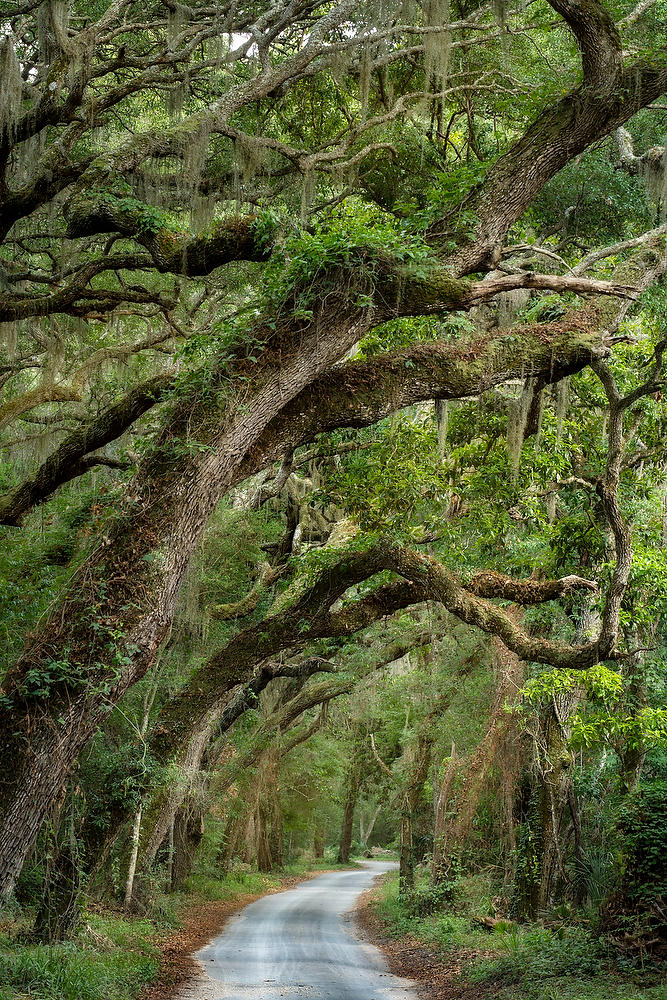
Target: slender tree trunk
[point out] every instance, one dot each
(580, 886)
(542, 863)
(165, 804)
(276, 832)
(170, 853)
(60, 910)
(366, 831)
(136, 825)
(134, 852)
(234, 827)
(250, 841)
(60, 906)
(406, 871)
(633, 752)
(439, 863)
(318, 843)
(351, 797)
(555, 792)
(262, 845)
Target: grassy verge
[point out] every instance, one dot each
(113, 956)
(517, 962)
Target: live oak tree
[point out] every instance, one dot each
(132, 143)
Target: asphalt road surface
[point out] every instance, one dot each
(300, 945)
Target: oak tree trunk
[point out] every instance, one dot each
(188, 832)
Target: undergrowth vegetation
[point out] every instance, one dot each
(510, 960)
(112, 956)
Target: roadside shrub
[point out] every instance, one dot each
(539, 953)
(430, 897)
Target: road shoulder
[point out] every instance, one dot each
(435, 977)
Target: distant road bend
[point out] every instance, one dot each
(299, 945)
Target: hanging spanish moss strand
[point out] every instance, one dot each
(307, 194)
(52, 23)
(510, 303)
(175, 99)
(194, 159)
(437, 44)
(551, 507)
(251, 156)
(365, 69)
(175, 23)
(500, 11)
(9, 339)
(202, 212)
(11, 88)
(339, 65)
(561, 394)
(517, 416)
(442, 422)
(55, 349)
(654, 174)
(152, 187)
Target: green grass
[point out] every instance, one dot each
(236, 883)
(112, 958)
(448, 931)
(568, 988)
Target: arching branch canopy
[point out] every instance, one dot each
(249, 190)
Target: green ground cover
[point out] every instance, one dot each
(515, 961)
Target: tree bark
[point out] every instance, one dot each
(60, 909)
(262, 846)
(608, 96)
(134, 853)
(318, 843)
(169, 509)
(406, 864)
(352, 789)
(188, 832)
(365, 832)
(541, 864)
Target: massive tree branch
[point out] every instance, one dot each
(304, 614)
(590, 112)
(358, 394)
(598, 39)
(171, 252)
(69, 459)
(489, 584)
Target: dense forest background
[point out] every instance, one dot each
(333, 480)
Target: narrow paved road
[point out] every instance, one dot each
(300, 945)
